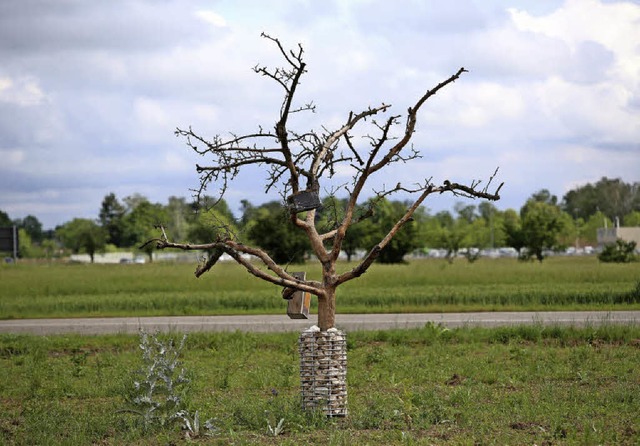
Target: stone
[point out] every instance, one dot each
(323, 370)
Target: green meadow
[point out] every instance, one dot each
(508, 386)
(512, 385)
(81, 290)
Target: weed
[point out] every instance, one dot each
(79, 360)
(376, 355)
(157, 398)
(275, 431)
(191, 425)
(435, 330)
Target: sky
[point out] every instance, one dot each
(92, 92)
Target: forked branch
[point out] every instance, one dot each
(239, 253)
(457, 189)
(289, 156)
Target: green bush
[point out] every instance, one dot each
(620, 252)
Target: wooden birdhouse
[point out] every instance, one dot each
(304, 200)
(298, 301)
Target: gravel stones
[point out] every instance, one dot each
(323, 370)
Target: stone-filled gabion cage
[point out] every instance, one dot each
(323, 371)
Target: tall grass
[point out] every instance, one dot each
(74, 290)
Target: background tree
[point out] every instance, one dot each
(487, 210)
(477, 233)
(273, 231)
(467, 212)
(26, 248)
(384, 215)
(297, 161)
(568, 233)
(446, 233)
(429, 228)
(632, 219)
(211, 223)
(32, 227)
(332, 213)
(179, 214)
(617, 198)
(514, 236)
(445, 218)
(493, 219)
(589, 231)
(543, 196)
(140, 221)
(81, 234)
(5, 221)
(49, 248)
(613, 197)
(451, 239)
(542, 223)
(478, 238)
(111, 219)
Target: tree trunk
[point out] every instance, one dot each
(327, 310)
(327, 302)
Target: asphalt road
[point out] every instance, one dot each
(281, 323)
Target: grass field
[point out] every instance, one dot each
(76, 290)
(515, 386)
(519, 385)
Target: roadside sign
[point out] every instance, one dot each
(9, 240)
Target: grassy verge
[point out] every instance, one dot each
(58, 290)
(526, 385)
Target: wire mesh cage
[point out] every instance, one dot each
(323, 371)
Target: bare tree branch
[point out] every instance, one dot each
(316, 156)
(235, 250)
(373, 254)
(335, 136)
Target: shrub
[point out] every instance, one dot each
(620, 252)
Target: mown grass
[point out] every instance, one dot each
(523, 385)
(74, 290)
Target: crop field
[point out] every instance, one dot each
(80, 290)
(516, 386)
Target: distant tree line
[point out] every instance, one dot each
(542, 224)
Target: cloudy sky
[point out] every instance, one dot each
(91, 92)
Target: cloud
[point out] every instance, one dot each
(23, 91)
(90, 93)
(430, 17)
(39, 26)
(12, 157)
(212, 18)
(614, 26)
(590, 63)
(598, 114)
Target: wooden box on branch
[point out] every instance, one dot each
(305, 200)
(298, 301)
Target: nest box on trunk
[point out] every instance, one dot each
(299, 301)
(304, 200)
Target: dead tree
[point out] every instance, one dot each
(296, 165)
